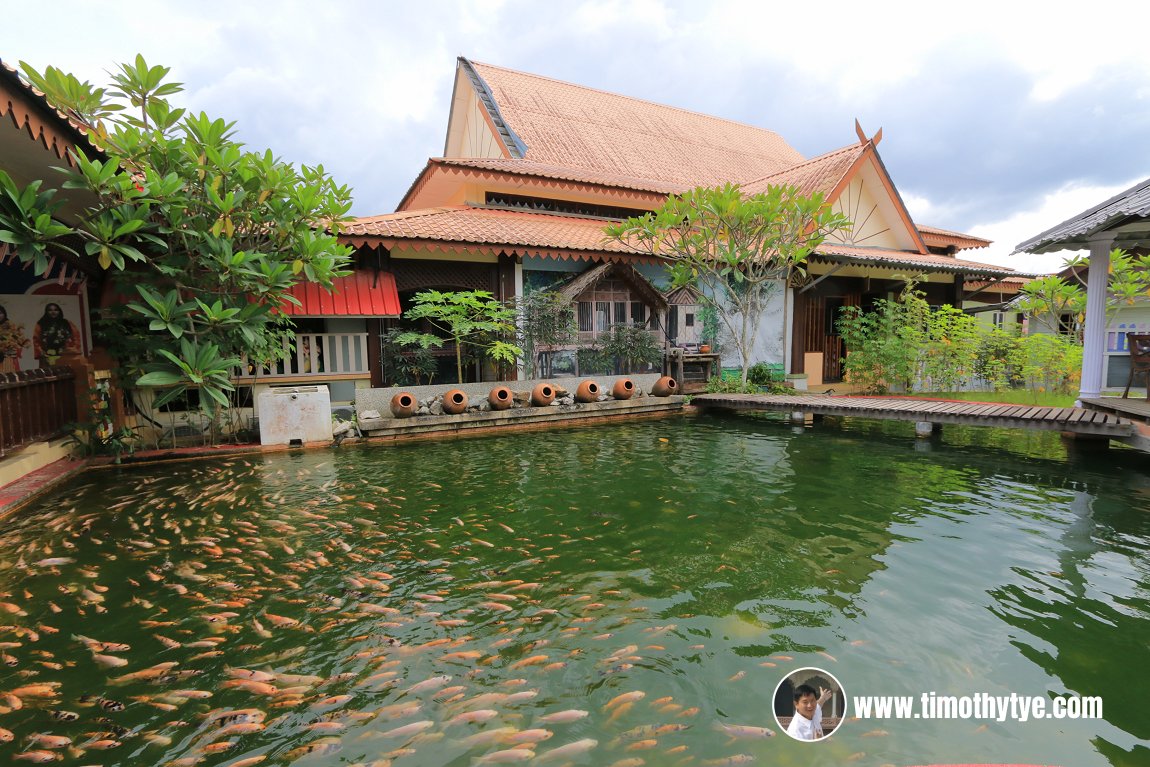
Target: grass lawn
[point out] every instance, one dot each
(1009, 397)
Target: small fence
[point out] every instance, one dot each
(35, 405)
(314, 354)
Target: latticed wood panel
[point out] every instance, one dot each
(448, 275)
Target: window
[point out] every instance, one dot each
(585, 325)
(602, 316)
(638, 313)
(620, 312)
(1066, 324)
(999, 319)
(689, 321)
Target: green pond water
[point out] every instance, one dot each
(488, 600)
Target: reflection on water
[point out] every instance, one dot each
(595, 596)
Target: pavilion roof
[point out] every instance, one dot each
(1074, 233)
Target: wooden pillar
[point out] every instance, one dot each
(1094, 334)
(505, 289)
(799, 332)
(374, 358)
(959, 291)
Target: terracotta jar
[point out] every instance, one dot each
(665, 387)
(500, 398)
(454, 402)
(404, 405)
(587, 391)
(624, 388)
(542, 395)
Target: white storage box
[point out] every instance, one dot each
(295, 414)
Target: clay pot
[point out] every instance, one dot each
(454, 402)
(500, 398)
(587, 391)
(665, 387)
(705, 349)
(624, 388)
(404, 405)
(542, 395)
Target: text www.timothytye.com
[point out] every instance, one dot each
(1019, 708)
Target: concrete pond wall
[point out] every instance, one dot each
(432, 421)
(379, 400)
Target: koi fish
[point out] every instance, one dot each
(506, 756)
(627, 697)
(575, 748)
(563, 717)
(744, 731)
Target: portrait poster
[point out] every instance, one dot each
(39, 329)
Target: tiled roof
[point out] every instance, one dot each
(853, 254)
(564, 173)
(820, 174)
(932, 235)
(578, 127)
(44, 122)
(1005, 285)
(491, 231)
(1074, 233)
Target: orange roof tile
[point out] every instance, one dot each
(566, 173)
(1011, 284)
(904, 258)
(932, 235)
(487, 230)
(820, 174)
(574, 126)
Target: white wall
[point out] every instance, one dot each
(770, 342)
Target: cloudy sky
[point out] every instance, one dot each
(999, 119)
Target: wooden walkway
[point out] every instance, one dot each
(1070, 419)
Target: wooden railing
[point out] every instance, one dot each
(315, 354)
(35, 405)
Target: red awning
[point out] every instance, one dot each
(362, 294)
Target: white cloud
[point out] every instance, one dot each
(1065, 202)
(350, 83)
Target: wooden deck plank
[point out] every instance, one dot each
(936, 411)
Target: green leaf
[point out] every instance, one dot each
(158, 378)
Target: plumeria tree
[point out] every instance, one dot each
(1048, 299)
(738, 248)
(468, 318)
(207, 236)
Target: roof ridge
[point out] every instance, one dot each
(401, 215)
(821, 158)
(508, 164)
(630, 98)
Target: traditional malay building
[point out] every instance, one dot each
(533, 169)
